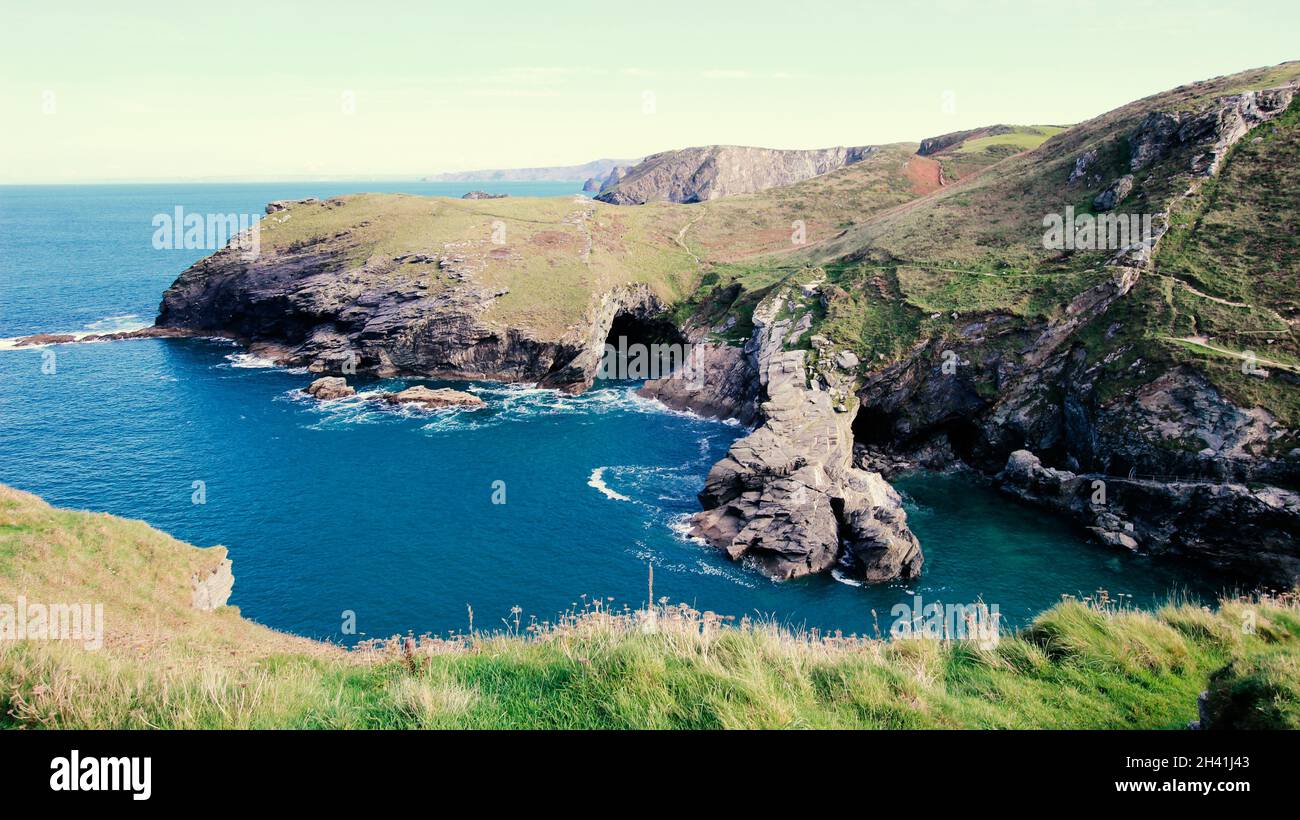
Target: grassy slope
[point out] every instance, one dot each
(1225, 282)
(554, 256)
(926, 266)
(165, 665)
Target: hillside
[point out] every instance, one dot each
(165, 664)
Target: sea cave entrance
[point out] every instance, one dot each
(639, 348)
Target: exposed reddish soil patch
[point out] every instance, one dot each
(925, 175)
(551, 239)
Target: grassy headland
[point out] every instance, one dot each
(164, 664)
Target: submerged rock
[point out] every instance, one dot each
(435, 399)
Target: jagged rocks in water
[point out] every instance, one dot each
(330, 387)
(1253, 531)
(435, 399)
(719, 383)
(483, 195)
(787, 498)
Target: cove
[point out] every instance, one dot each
(353, 507)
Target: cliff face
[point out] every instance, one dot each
(710, 172)
(1145, 382)
(787, 498)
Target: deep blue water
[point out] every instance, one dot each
(345, 506)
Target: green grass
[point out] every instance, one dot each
(1081, 664)
(554, 257)
(1020, 138)
(972, 156)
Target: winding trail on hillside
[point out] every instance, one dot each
(680, 239)
(1203, 342)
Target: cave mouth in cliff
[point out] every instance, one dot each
(878, 429)
(640, 348)
(872, 426)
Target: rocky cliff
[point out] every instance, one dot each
(787, 498)
(315, 302)
(710, 172)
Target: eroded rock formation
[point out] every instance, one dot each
(709, 172)
(787, 498)
(330, 387)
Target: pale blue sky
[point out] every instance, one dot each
(164, 90)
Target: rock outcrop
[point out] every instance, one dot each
(710, 172)
(330, 387)
(212, 589)
(435, 399)
(787, 498)
(483, 195)
(1214, 130)
(1114, 194)
(615, 176)
(1250, 532)
(42, 339)
(1182, 461)
(310, 304)
(726, 387)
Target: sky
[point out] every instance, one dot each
(158, 91)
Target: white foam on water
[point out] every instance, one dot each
(122, 323)
(680, 525)
(597, 481)
(247, 361)
(839, 575)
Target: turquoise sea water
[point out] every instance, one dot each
(349, 507)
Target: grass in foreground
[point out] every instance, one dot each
(166, 665)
